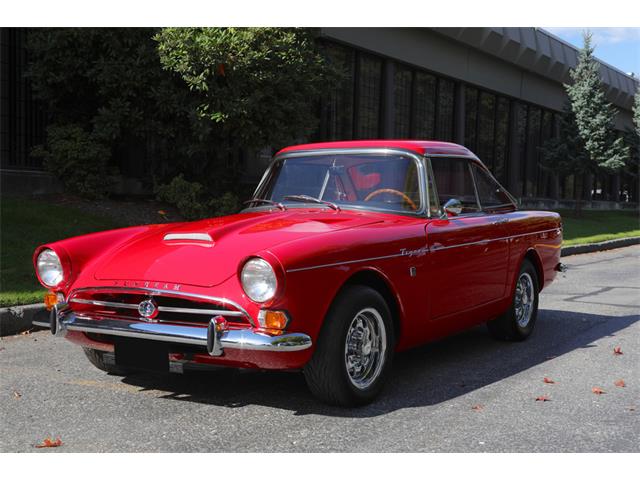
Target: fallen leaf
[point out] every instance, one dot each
(48, 443)
(17, 394)
(620, 383)
(547, 380)
(543, 398)
(477, 408)
(632, 409)
(617, 351)
(598, 390)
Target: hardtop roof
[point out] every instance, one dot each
(421, 147)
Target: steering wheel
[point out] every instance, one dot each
(395, 192)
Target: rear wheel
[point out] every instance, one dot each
(518, 321)
(354, 350)
(96, 357)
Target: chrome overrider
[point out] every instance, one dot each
(215, 336)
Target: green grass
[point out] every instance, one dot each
(25, 224)
(597, 226)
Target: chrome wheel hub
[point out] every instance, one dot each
(365, 347)
(524, 298)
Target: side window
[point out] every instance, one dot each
(491, 194)
(453, 180)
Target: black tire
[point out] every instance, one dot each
(96, 358)
(506, 326)
(327, 372)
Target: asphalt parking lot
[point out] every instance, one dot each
(468, 393)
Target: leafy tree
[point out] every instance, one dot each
(109, 83)
(257, 87)
(587, 141)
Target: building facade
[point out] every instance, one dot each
(498, 91)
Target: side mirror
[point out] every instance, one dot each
(453, 207)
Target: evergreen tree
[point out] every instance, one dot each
(594, 115)
(636, 111)
(587, 141)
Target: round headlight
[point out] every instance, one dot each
(50, 268)
(258, 280)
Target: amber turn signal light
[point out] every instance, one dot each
(50, 300)
(273, 319)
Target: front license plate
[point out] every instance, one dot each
(142, 354)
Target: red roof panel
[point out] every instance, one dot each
(418, 146)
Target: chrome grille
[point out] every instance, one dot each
(173, 307)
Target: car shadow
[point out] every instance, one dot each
(423, 376)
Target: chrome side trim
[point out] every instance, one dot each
(348, 262)
(134, 306)
(244, 339)
(169, 293)
(432, 249)
(188, 236)
(447, 247)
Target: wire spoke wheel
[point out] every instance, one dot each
(524, 299)
(365, 347)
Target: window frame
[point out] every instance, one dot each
(425, 201)
(482, 211)
(491, 208)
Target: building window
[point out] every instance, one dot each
(545, 176)
(23, 119)
(486, 127)
(501, 141)
(402, 93)
(471, 120)
(339, 105)
(532, 152)
(424, 104)
(520, 147)
(369, 84)
(444, 130)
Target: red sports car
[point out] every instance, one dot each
(348, 252)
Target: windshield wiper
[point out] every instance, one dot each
(310, 199)
(264, 200)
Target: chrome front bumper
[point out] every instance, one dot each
(213, 336)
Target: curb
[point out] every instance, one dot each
(599, 247)
(18, 319)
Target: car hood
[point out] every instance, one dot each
(207, 252)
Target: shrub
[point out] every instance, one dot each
(185, 195)
(78, 159)
(190, 199)
(227, 204)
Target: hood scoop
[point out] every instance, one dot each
(189, 237)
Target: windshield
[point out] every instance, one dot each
(388, 182)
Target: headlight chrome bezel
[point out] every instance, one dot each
(265, 280)
(50, 269)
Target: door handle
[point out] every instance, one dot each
(501, 221)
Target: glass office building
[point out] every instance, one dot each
(497, 91)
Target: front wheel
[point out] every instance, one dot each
(354, 350)
(518, 321)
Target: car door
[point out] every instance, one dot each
(469, 251)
